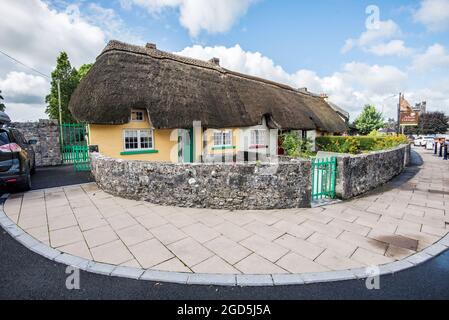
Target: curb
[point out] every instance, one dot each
(241, 280)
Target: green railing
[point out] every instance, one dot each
(324, 178)
(81, 160)
(74, 147)
(74, 134)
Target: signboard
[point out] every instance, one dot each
(409, 118)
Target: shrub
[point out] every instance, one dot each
(295, 146)
(359, 144)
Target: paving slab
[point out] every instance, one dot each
(83, 226)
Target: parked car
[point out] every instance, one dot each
(17, 158)
(427, 140)
(418, 140)
(429, 144)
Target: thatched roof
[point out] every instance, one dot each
(177, 91)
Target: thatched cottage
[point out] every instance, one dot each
(145, 104)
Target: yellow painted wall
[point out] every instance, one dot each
(109, 139)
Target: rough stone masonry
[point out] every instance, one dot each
(46, 132)
(218, 186)
(362, 173)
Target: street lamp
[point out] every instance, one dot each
(398, 110)
(58, 82)
(383, 101)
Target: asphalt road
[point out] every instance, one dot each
(26, 275)
(49, 177)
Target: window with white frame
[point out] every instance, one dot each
(137, 115)
(222, 138)
(138, 139)
(258, 137)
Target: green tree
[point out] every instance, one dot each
(295, 146)
(433, 123)
(2, 106)
(83, 70)
(369, 120)
(69, 80)
(430, 123)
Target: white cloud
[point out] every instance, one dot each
(22, 112)
(434, 14)
(434, 57)
(235, 58)
(394, 47)
(385, 30)
(213, 16)
(352, 87)
(375, 41)
(110, 23)
(22, 87)
(35, 34)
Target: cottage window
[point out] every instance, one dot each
(258, 137)
(138, 140)
(137, 115)
(222, 138)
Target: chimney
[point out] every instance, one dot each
(215, 61)
(150, 46)
(304, 89)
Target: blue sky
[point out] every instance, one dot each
(322, 45)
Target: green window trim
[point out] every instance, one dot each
(129, 153)
(223, 147)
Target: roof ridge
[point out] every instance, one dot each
(160, 54)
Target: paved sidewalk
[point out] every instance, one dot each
(405, 217)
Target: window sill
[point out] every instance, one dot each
(223, 147)
(258, 146)
(129, 153)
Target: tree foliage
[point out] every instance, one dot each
(295, 146)
(69, 78)
(83, 70)
(369, 120)
(2, 105)
(430, 123)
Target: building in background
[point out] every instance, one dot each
(420, 107)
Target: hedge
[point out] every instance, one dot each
(358, 144)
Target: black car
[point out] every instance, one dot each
(17, 159)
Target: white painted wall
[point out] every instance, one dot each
(271, 139)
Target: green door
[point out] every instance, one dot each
(185, 145)
(324, 178)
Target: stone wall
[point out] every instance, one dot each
(220, 186)
(46, 132)
(361, 173)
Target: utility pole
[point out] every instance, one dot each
(398, 129)
(58, 82)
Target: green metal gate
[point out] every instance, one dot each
(324, 178)
(75, 145)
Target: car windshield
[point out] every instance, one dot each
(4, 139)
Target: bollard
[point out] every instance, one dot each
(436, 147)
(441, 150)
(445, 151)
